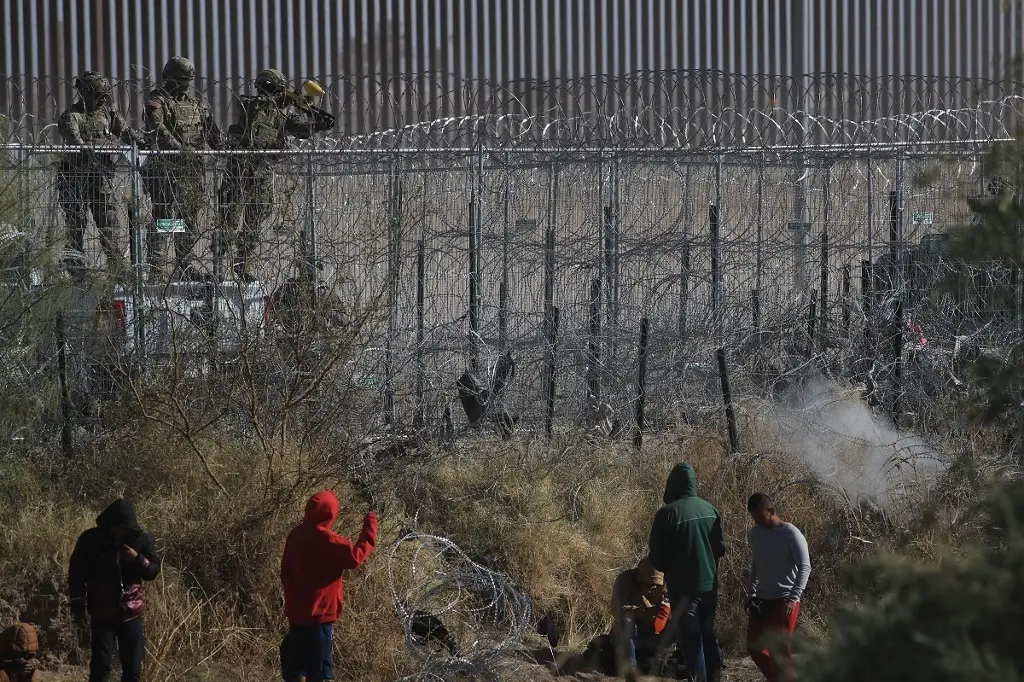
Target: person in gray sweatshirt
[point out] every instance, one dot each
(779, 571)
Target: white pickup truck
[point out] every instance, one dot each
(152, 324)
(141, 325)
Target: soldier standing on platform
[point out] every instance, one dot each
(177, 120)
(85, 177)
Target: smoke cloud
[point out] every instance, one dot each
(848, 447)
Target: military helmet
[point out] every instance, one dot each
(94, 82)
(271, 81)
(179, 69)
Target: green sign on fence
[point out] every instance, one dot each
(170, 225)
(921, 218)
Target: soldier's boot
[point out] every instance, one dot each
(73, 259)
(117, 266)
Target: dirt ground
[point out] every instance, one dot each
(737, 670)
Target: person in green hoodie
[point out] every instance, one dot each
(686, 544)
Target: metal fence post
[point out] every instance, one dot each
(394, 273)
(684, 256)
(552, 368)
(594, 342)
(846, 300)
(549, 239)
(474, 276)
(716, 273)
(421, 278)
(611, 251)
(896, 236)
(684, 288)
(309, 265)
(718, 291)
(871, 209)
(641, 382)
(865, 297)
(137, 241)
(823, 292)
(730, 413)
(503, 287)
(811, 318)
(66, 442)
(755, 297)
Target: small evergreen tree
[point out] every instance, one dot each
(959, 618)
(997, 237)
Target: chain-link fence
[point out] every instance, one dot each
(611, 255)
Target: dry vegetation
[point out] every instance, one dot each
(561, 518)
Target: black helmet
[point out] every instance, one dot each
(271, 82)
(179, 69)
(93, 82)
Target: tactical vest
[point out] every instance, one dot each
(188, 121)
(95, 126)
(262, 124)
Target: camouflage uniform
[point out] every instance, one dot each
(177, 120)
(265, 122)
(85, 178)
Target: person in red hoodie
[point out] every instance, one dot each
(311, 574)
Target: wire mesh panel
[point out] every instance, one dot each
(777, 235)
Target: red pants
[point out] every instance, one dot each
(768, 639)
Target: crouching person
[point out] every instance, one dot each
(640, 606)
(105, 575)
(311, 574)
(19, 653)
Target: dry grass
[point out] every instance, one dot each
(560, 518)
(563, 520)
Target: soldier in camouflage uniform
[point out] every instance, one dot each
(177, 120)
(85, 178)
(265, 122)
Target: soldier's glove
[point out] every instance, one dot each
(136, 136)
(78, 607)
(322, 120)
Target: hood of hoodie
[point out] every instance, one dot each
(682, 482)
(322, 509)
(121, 512)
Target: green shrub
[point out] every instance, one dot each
(959, 617)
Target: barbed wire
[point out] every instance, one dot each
(691, 109)
(460, 618)
(581, 244)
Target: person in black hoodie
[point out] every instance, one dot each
(105, 577)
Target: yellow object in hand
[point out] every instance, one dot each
(312, 89)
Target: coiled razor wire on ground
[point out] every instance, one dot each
(723, 221)
(460, 618)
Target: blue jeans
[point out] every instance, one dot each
(698, 642)
(635, 643)
(306, 651)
